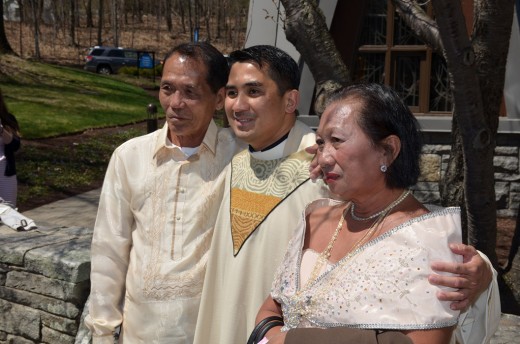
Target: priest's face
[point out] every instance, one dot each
(256, 111)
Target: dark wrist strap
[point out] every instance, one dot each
(267, 327)
(262, 327)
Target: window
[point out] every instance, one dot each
(390, 53)
(116, 53)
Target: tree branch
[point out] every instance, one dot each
(306, 29)
(420, 23)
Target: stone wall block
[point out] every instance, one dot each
(507, 177)
(51, 336)
(3, 336)
(72, 292)
(45, 303)
(505, 164)
(16, 244)
(68, 261)
(502, 195)
(514, 203)
(503, 150)
(430, 168)
(60, 324)
(436, 149)
(18, 340)
(19, 320)
(514, 187)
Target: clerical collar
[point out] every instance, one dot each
(282, 139)
(273, 151)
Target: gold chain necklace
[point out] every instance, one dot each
(302, 306)
(324, 256)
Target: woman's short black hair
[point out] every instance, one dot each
(279, 65)
(382, 113)
(211, 57)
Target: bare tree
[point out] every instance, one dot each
(114, 8)
(88, 13)
(207, 18)
(100, 22)
(181, 11)
(5, 47)
(35, 11)
(168, 15)
(72, 27)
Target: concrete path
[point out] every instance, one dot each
(80, 211)
(76, 211)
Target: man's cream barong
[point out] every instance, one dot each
(152, 234)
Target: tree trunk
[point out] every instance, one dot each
(181, 9)
(477, 131)
(100, 23)
(36, 26)
(190, 21)
(115, 27)
(72, 28)
(207, 18)
(88, 10)
(168, 16)
(5, 47)
(306, 29)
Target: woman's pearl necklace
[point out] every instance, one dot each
(373, 216)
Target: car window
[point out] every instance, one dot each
(96, 52)
(116, 53)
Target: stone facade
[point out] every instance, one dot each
(44, 283)
(507, 177)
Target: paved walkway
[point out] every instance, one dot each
(80, 211)
(76, 211)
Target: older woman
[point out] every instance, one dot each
(363, 262)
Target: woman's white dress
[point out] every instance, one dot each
(381, 285)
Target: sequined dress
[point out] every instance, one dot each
(381, 285)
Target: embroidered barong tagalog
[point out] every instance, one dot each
(258, 186)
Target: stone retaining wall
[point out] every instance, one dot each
(44, 283)
(507, 177)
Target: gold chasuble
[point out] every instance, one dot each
(258, 186)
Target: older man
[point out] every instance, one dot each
(157, 209)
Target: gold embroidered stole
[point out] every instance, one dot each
(258, 186)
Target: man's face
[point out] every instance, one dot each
(187, 100)
(256, 111)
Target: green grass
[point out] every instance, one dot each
(49, 100)
(57, 171)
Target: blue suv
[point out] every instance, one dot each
(108, 60)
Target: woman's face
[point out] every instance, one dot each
(349, 160)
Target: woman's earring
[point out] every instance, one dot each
(383, 168)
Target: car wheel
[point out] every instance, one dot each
(104, 70)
